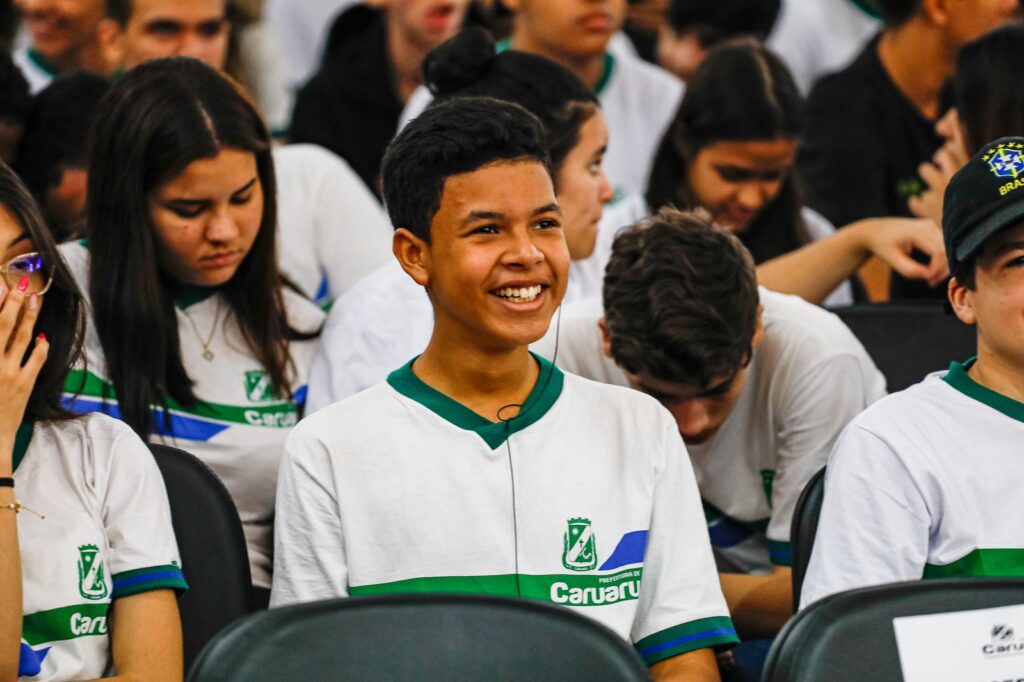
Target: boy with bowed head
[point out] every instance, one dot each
(483, 435)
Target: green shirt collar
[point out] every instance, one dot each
(867, 8)
(21, 441)
(544, 394)
(606, 71)
(190, 295)
(42, 62)
(958, 378)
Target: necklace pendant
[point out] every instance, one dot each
(208, 355)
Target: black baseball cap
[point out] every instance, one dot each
(984, 196)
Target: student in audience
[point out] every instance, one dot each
(371, 66)
(731, 151)
(469, 187)
(638, 99)
(333, 231)
(871, 125)
(61, 38)
(750, 376)
(74, 491)
(925, 483)
(387, 318)
(53, 156)
(988, 104)
(15, 102)
(193, 339)
(693, 27)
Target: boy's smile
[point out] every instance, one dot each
(497, 263)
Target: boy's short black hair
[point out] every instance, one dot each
(15, 96)
(119, 10)
(715, 21)
(457, 136)
(680, 299)
(57, 129)
(896, 12)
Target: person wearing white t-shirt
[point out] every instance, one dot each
(925, 483)
(386, 318)
(637, 98)
(332, 230)
(752, 378)
(89, 565)
(492, 470)
(193, 338)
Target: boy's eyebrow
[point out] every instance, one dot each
(1009, 246)
(550, 208)
(498, 215)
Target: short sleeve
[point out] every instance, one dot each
(818, 406)
(874, 526)
(309, 546)
(681, 605)
(137, 518)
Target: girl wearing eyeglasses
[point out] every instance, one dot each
(193, 340)
(88, 559)
(732, 149)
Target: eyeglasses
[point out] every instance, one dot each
(29, 265)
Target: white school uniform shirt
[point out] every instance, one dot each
(33, 68)
(808, 378)
(639, 101)
(386, 318)
(818, 37)
(331, 230)
(106, 535)
(239, 426)
(924, 484)
(607, 514)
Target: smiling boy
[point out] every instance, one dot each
(479, 467)
(926, 484)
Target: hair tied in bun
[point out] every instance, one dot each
(459, 61)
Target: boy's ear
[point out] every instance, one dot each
(606, 339)
(759, 328)
(413, 255)
(936, 11)
(961, 301)
(110, 35)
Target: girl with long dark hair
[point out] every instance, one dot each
(731, 150)
(88, 559)
(194, 340)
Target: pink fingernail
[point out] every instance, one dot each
(23, 284)
(41, 337)
(33, 301)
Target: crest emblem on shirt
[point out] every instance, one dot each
(1006, 160)
(92, 583)
(258, 388)
(579, 551)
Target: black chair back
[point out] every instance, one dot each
(909, 340)
(419, 637)
(803, 529)
(212, 547)
(849, 637)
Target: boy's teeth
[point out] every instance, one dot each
(519, 295)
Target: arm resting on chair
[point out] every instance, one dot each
(760, 604)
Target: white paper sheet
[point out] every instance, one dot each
(985, 645)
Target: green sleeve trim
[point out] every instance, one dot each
(141, 580)
(780, 553)
(981, 563)
(717, 632)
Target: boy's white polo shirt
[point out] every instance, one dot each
(106, 534)
(591, 483)
(806, 381)
(238, 426)
(924, 484)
